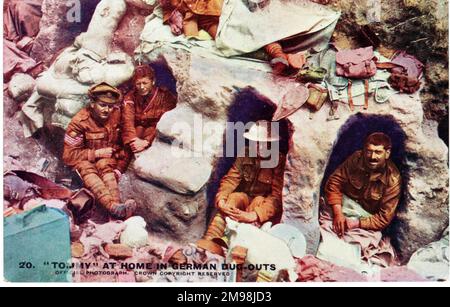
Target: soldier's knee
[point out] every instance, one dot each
(86, 168)
(238, 199)
(258, 200)
(106, 165)
(238, 196)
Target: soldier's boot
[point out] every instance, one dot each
(123, 211)
(279, 59)
(118, 209)
(212, 240)
(101, 192)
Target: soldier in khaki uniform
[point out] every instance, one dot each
(248, 193)
(143, 108)
(369, 178)
(92, 146)
(190, 16)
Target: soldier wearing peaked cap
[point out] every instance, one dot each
(92, 146)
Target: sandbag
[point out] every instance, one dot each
(273, 251)
(21, 87)
(77, 68)
(104, 22)
(432, 261)
(49, 86)
(70, 106)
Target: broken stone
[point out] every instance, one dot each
(120, 251)
(59, 26)
(134, 235)
(172, 216)
(191, 130)
(177, 169)
(127, 36)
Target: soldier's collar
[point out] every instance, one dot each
(382, 176)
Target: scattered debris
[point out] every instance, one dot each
(120, 251)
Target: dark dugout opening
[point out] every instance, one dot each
(351, 138)
(248, 106)
(163, 74)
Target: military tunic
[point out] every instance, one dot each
(83, 137)
(142, 114)
(258, 189)
(198, 14)
(377, 192)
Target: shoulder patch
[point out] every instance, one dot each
(73, 139)
(129, 98)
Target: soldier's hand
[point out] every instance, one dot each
(139, 145)
(224, 207)
(104, 153)
(176, 23)
(222, 203)
(243, 216)
(352, 223)
(118, 174)
(339, 224)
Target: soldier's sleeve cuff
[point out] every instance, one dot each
(262, 215)
(334, 200)
(218, 199)
(335, 204)
(364, 223)
(91, 155)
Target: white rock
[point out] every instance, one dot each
(193, 131)
(182, 171)
(135, 235)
